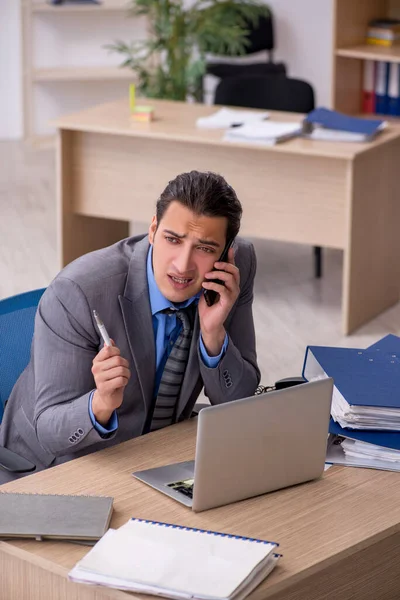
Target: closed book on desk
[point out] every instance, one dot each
(366, 391)
(331, 125)
(54, 517)
(177, 562)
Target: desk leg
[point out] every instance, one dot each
(371, 271)
(78, 234)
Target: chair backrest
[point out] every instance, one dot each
(271, 93)
(17, 316)
(261, 37)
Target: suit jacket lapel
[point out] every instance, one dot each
(135, 307)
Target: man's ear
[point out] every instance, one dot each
(152, 229)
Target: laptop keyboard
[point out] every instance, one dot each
(183, 487)
(186, 491)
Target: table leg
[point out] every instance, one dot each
(372, 251)
(78, 234)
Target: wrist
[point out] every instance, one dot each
(101, 413)
(214, 341)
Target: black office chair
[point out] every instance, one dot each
(259, 38)
(271, 93)
(266, 92)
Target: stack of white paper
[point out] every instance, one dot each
(227, 117)
(332, 135)
(176, 562)
(355, 453)
(264, 134)
(358, 449)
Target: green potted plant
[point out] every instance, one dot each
(171, 62)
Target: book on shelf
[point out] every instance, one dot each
(374, 41)
(381, 87)
(393, 95)
(368, 91)
(385, 24)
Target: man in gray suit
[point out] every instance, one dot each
(78, 395)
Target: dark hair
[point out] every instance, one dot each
(205, 194)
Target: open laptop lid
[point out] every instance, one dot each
(256, 445)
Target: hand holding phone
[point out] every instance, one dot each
(211, 296)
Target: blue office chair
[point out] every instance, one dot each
(17, 316)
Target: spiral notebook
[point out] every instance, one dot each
(177, 562)
(54, 516)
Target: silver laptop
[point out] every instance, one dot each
(251, 446)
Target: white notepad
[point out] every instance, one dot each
(177, 562)
(263, 134)
(226, 117)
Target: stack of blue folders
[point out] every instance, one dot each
(365, 413)
(331, 125)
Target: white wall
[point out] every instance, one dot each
(11, 122)
(304, 39)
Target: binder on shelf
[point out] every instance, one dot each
(177, 562)
(381, 87)
(368, 93)
(366, 385)
(393, 102)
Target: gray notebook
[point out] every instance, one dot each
(54, 517)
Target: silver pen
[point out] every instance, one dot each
(102, 329)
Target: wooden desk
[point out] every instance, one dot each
(111, 171)
(339, 536)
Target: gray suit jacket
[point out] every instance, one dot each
(46, 418)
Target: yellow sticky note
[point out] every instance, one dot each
(132, 97)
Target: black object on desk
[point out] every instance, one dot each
(57, 2)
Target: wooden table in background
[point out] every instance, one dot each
(339, 536)
(339, 195)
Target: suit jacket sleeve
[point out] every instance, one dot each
(64, 348)
(237, 374)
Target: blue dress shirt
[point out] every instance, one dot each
(166, 331)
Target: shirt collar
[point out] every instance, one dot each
(158, 302)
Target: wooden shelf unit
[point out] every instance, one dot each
(351, 18)
(82, 75)
(44, 7)
(366, 52)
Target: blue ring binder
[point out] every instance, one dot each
(228, 535)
